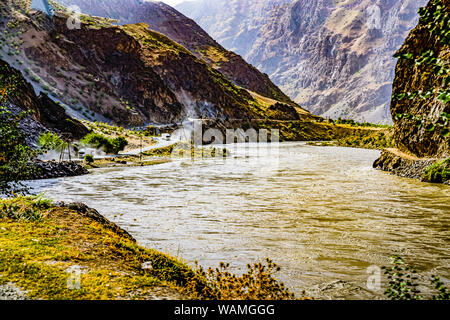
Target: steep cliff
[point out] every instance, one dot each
(332, 57)
(421, 89)
(421, 100)
(168, 21)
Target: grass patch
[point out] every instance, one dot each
(36, 255)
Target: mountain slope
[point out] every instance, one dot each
(332, 57)
(45, 114)
(128, 74)
(421, 100)
(168, 21)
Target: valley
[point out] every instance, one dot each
(335, 58)
(142, 157)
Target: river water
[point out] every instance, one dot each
(322, 213)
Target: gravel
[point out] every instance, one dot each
(10, 291)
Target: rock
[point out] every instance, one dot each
(332, 57)
(419, 124)
(53, 169)
(401, 166)
(411, 77)
(94, 215)
(10, 291)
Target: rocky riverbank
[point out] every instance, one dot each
(53, 169)
(404, 165)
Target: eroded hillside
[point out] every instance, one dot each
(45, 114)
(128, 74)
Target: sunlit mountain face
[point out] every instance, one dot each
(332, 57)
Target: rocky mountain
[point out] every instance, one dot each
(235, 24)
(421, 100)
(168, 21)
(128, 74)
(332, 57)
(45, 113)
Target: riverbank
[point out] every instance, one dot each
(408, 166)
(68, 251)
(366, 138)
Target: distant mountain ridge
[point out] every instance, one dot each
(335, 58)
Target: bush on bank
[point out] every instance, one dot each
(99, 141)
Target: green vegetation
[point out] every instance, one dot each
(89, 159)
(16, 210)
(111, 146)
(359, 124)
(14, 154)
(437, 20)
(402, 282)
(438, 172)
(51, 141)
(369, 140)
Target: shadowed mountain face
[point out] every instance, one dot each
(168, 21)
(333, 57)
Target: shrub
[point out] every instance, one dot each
(438, 172)
(402, 277)
(97, 140)
(403, 284)
(119, 144)
(89, 159)
(258, 283)
(108, 145)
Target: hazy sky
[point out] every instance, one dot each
(172, 2)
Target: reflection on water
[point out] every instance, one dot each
(322, 213)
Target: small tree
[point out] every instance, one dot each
(51, 141)
(118, 144)
(14, 154)
(89, 159)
